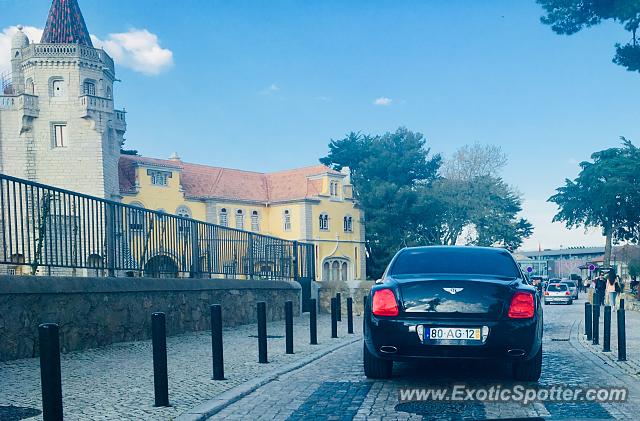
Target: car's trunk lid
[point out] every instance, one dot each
(453, 297)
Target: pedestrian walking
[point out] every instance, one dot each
(612, 288)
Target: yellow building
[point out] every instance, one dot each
(312, 204)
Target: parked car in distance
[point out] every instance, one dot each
(573, 288)
(557, 292)
(448, 302)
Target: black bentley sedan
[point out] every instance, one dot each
(453, 302)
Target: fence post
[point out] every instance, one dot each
(339, 306)
(295, 261)
(159, 342)
(262, 332)
(50, 376)
(251, 257)
(622, 334)
(216, 342)
(288, 316)
(596, 325)
(349, 315)
(110, 228)
(588, 323)
(195, 249)
(606, 340)
(313, 323)
(334, 318)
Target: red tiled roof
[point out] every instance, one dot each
(204, 182)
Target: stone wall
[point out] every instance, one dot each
(93, 312)
(354, 289)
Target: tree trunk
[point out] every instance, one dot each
(608, 232)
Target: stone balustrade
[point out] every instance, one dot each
(46, 51)
(27, 103)
(92, 103)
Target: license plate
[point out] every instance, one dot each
(453, 334)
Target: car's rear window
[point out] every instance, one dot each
(571, 284)
(455, 261)
(557, 287)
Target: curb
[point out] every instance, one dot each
(213, 406)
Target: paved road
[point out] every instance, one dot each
(334, 387)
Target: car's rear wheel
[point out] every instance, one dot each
(570, 302)
(376, 368)
(546, 302)
(529, 371)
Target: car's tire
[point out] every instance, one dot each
(546, 302)
(570, 302)
(529, 371)
(376, 368)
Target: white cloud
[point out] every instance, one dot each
(34, 34)
(383, 101)
(138, 50)
(271, 89)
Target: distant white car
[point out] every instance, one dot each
(573, 288)
(557, 293)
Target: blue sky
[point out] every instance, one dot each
(265, 85)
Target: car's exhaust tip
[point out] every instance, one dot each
(388, 349)
(516, 352)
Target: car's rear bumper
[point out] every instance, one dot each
(511, 339)
(563, 299)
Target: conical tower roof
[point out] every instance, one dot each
(65, 24)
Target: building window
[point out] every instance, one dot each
(57, 88)
(159, 178)
(324, 222)
(89, 88)
(108, 92)
(136, 217)
(335, 270)
(184, 212)
(224, 221)
(239, 219)
(333, 189)
(255, 221)
(287, 220)
(348, 224)
(59, 135)
(30, 87)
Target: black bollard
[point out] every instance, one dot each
(288, 328)
(159, 343)
(334, 318)
(349, 315)
(596, 325)
(588, 323)
(622, 334)
(313, 323)
(339, 306)
(50, 375)
(216, 342)
(262, 332)
(606, 340)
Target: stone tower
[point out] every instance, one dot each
(58, 124)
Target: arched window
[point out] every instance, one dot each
(184, 212)
(89, 87)
(224, 221)
(333, 189)
(343, 272)
(108, 92)
(324, 222)
(57, 87)
(255, 221)
(326, 271)
(286, 220)
(136, 217)
(30, 87)
(239, 219)
(335, 269)
(347, 223)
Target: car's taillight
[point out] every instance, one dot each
(567, 293)
(546, 293)
(522, 306)
(384, 303)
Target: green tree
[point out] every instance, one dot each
(570, 16)
(388, 173)
(605, 194)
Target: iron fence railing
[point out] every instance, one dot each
(43, 227)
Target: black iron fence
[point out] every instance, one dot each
(44, 229)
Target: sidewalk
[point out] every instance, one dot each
(116, 381)
(632, 323)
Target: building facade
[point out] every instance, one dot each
(58, 126)
(312, 204)
(57, 109)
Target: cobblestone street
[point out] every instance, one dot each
(116, 382)
(335, 388)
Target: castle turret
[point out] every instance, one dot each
(58, 125)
